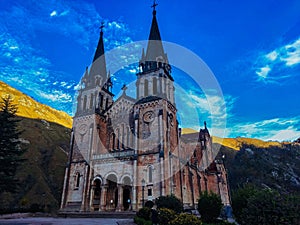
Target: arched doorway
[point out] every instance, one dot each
(126, 193)
(126, 198)
(112, 192)
(97, 194)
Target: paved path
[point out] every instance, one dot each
(65, 221)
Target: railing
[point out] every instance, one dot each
(119, 154)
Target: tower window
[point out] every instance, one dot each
(101, 100)
(84, 102)
(150, 174)
(92, 101)
(146, 91)
(149, 192)
(154, 85)
(77, 180)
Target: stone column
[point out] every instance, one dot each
(92, 198)
(134, 177)
(103, 198)
(120, 198)
(85, 188)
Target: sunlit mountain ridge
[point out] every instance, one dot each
(30, 108)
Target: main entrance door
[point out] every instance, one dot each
(126, 198)
(112, 193)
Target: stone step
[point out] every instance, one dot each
(117, 215)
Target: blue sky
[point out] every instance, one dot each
(252, 47)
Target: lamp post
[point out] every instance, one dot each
(143, 189)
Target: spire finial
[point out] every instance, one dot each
(205, 125)
(101, 27)
(154, 6)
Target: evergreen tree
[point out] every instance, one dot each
(10, 145)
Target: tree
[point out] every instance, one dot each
(10, 145)
(169, 202)
(240, 199)
(209, 206)
(265, 206)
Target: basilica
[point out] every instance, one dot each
(127, 151)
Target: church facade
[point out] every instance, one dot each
(128, 151)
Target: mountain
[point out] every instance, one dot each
(275, 167)
(42, 173)
(29, 108)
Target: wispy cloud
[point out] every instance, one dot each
(278, 129)
(195, 108)
(27, 67)
(271, 67)
(24, 68)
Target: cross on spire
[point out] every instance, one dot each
(102, 26)
(154, 5)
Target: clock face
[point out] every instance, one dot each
(148, 116)
(82, 128)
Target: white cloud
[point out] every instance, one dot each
(264, 71)
(277, 129)
(27, 67)
(286, 135)
(283, 57)
(53, 13)
(194, 108)
(64, 13)
(272, 56)
(292, 56)
(29, 72)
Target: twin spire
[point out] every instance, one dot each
(154, 49)
(99, 63)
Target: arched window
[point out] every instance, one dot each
(150, 174)
(154, 86)
(77, 180)
(111, 141)
(101, 100)
(92, 101)
(84, 103)
(146, 91)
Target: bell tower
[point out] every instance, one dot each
(94, 99)
(155, 123)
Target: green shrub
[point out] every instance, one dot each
(185, 219)
(166, 215)
(209, 206)
(144, 213)
(149, 204)
(169, 202)
(141, 221)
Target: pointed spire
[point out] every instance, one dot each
(99, 63)
(155, 47)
